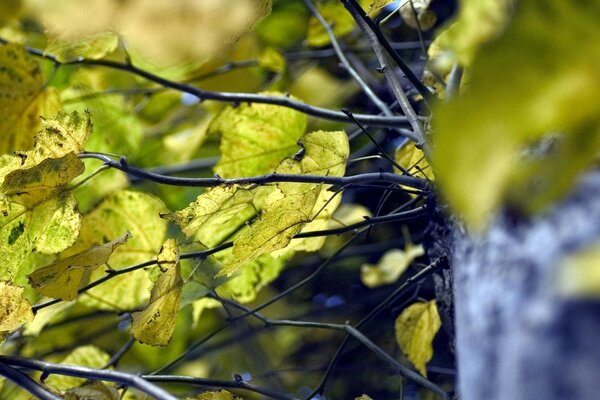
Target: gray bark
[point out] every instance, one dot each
(516, 337)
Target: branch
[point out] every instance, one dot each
(122, 165)
(121, 378)
(237, 98)
(24, 381)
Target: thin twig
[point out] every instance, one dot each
(454, 78)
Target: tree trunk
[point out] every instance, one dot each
(516, 338)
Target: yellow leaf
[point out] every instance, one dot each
(417, 14)
(154, 325)
(292, 205)
(413, 160)
(23, 98)
(391, 266)
(15, 310)
(493, 136)
(63, 278)
(29, 186)
(578, 274)
(363, 397)
(241, 154)
(123, 211)
(378, 4)
(10, 9)
(221, 395)
(94, 390)
(44, 316)
(415, 329)
(336, 15)
(272, 60)
(56, 223)
(85, 356)
(93, 47)
(215, 215)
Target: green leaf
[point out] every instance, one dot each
(272, 60)
(200, 305)
(154, 325)
(416, 327)
(123, 211)
(85, 356)
(15, 310)
(23, 98)
(292, 205)
(92, 47)
(256, 137)
(94, 390)
(63, 278)
(44, 316)
(524, 142)
(336, 15)
(221, 395)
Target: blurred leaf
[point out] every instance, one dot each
(417, 14)
(413, 160)
(363, 397)
(578, 274)
(92, 47)
(200, 305)
(63, 278)
(318, 87)
(222, 395)
(377, 5)
(94, 390)
(292, 205)
(336, 15)
(390, 266)
(15, 310)
(155, 323)
(122, 211)
(272, 60)
(44, 316)
(85, 356)
(10, 9)
(415, 328)
(487, 138)
(242, 155)
(23, 98)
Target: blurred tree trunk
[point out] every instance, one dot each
(516, 338)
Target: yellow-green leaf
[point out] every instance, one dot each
(29, 186)
(15, 310)
(154, 325)
(221, 395)
(215, 215)
(272, 60)
(60, 225)
(84, 356)
(378, 4)
(415, 329)
(23, 98)
(417, 14)
(123, 211)
(63, 278)
(337, 16)
(10, 9)
(523, 142)
(390, 267)
(94, 390)
(256, 137)
(292, 205)
(200, 305)
(412, 159)
(93, 47)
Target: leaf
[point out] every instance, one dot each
(418, 15)
(10, 9)
(221, 395)
(29, 186)
(23, 98)
(154, 325)
(493, 136)
(289, 208)
(415, 328)
(56, 223)
(390, 266)
(44, 316)
(242, 154)
(15, 310)
(63, 278)
(215, 215)
(122, 211)
(377, 5)
(84, 356)
(200, 305)
(363, 397)
(92, 47)
(336, 15)
(94, 390)
(578, 274)
(413, 160)
(272, 60)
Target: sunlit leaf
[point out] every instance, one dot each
(215, 215)
(415, 328)
(94, 390)
(200, 305)
(93, 47)
(493, 136)
(378, 4)
(122, 211)
(154, 324)
(221, 395)
(84, 356)
(391, 265)
(15, 310)
(44, 316)
(56, 223)
(23, 98)
(413, 160)
(272, 60)
(292, 205)
(578, 274)
(336, 15)
(63, 278)
(256, 137)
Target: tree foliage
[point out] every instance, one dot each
(174, 172)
